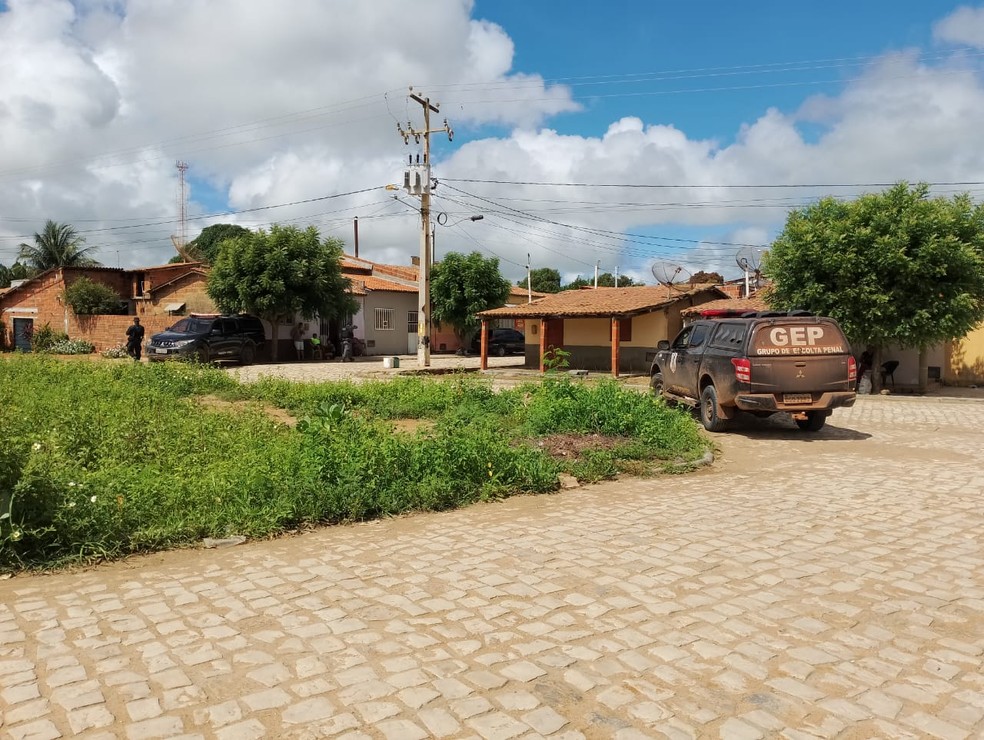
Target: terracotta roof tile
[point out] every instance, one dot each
(739, 305)
(603, 302)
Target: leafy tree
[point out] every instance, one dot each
(895, 267)
(702, 278)
(87, 297)
(461, 286)
(4, 275)
(605, 280)
(543, 280)
(205, 247)
(578, 283)
(279, 274)
(58, 245)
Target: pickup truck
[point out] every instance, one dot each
(762, 364)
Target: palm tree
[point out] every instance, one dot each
(58, 245)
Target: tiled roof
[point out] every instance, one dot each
(371, 282)
(521, 293)
(603, 302)
(408, 272)
(739, 305)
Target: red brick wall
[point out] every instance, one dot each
(44, 294)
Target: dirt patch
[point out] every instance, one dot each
(277, 414)
(411, 426)
(571, 446)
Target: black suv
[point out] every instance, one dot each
(209, 338)
(501, 342)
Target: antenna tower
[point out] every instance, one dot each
(182, 205)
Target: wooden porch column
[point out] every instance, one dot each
(616, 323)
(484, 346)
(543, 342)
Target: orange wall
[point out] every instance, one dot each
(964, 363)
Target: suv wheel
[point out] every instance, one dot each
(247, 354)
(500, 351)
(709, 411)
(656, 384)
(202, 356)
(814, 421)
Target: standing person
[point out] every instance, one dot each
(297, 336)
(134, 339)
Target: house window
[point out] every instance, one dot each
(412, 322)
(384, 319)
(625, 330)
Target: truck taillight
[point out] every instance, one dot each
(852, 369)
(743, 369)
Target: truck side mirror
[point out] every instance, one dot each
(662, 344)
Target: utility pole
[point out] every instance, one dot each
(616, 276)
(355, 227)
(529, 280)
(417, 180)
(597, 265)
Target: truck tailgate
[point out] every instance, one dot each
(815, 374)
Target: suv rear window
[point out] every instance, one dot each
(798, 339)
(729, 336)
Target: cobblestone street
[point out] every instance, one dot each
(827, 585)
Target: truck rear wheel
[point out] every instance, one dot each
(656, 384)
(247, 355)
(709, 416)
(813, 422)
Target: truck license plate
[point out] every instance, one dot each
(797, 398)
(161, 351)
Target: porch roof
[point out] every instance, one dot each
(605, 302)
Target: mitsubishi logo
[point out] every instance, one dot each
(799, 373)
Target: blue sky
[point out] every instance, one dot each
(291, 117)
(587, 40)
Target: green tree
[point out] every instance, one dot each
(4, 275)
(605, 280)
(205, 247)
(279, 274)
(543, 280)
(896, 267)
(87, 297)
(461, 286)
(57, 245)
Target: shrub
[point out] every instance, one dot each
(115, 353)
(87, 297)
(71, 347)
(45, 337)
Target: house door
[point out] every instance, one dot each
(23, 331)
(554, 334)
(412, 339)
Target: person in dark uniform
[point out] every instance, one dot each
(134, 339)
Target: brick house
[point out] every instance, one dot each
(155, 294)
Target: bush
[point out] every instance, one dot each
(115, 353)
(44, 338)
(88, 297)
(71, 347)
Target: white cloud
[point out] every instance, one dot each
(965, 25)
(98, 98)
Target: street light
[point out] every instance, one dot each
(442, 219)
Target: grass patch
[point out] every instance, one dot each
(102, 460)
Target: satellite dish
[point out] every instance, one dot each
(669, 273)
(749, 261)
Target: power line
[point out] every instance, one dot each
(956, 183)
